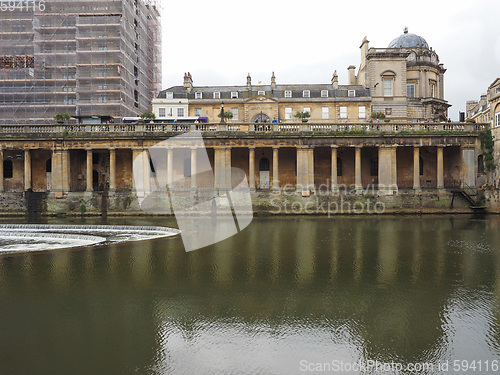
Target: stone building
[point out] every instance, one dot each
(96, 61)
(406, 79)
(265, 103)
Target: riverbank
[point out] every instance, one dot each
(264, 203)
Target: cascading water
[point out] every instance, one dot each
(39, 237)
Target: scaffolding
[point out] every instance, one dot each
(95, 60)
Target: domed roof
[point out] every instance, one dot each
(408, 40)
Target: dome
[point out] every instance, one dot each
(407, 40)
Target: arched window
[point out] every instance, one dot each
(421, 166)
(264, 165)
(374, 167)
(48, 166)
(339, 167)
(8, 169)
(480, 164)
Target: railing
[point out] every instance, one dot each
(251, 128)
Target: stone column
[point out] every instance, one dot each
(194, 154)
(440, 168)
(146, 168)
(310, 168)
(468, 166)
(112, 169)
(227, 167)
(387, 179)
(1, 170)
(219, 162)
(302, 175)
(334, 180)
(276, 182)
(137, 164)
(89, 172)
(416, 169)
(170, 166)
(357, 169)
(251, 167)
(66, 170)
(27, 170)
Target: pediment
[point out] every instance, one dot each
(260, 99)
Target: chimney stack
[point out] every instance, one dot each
(273, 82)
(352, 74)
(335, 80)
(188, 82)
(249, 82)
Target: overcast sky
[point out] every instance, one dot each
(220, 41)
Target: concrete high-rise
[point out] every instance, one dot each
(95, 60)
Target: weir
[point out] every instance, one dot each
(41, 237)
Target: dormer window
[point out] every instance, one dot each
(288, 94)
(324, 93)
(306, 94)
(198, 95)
(263, 93)
(170, 95)
(234, 95)
(351, 93)
(217, 95)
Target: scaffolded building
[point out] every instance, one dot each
(95, 60)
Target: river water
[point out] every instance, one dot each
(287, 295)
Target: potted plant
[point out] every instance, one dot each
(304, 116)
(148, 116)
(227, 115)
(378, 116)
(61, 117)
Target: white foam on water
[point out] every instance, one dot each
(40, 237)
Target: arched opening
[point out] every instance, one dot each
(95, 180)
(264, 173)
(339, 167)
(261, 117)
(421, 166)
(480, 164)
(48, 166)
(374, 167)
(8, 169)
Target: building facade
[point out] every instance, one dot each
(95, 60)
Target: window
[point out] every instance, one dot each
(497, 119)
(234, 95)
(102, 72)
(432, 90)
(8, 169)
(288, 113)
(198, 95)
(198, 112)
(324, 93)
(388, 86)
(343, 112)
(388, 111)
(261, 93)
(288, 94)
(307, 109)
(100, 87)
(362, 112)
(161, 112)
(102, 46)
(351, 93)
(374, 167)
(325, 114)
(306, 94)
(480, 164)
(234, 111)
(420, 166)
(217, 95)
(339, 167)
(170, 95)
(410, 90)
(180, 112)
(102, 98)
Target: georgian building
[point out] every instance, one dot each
(265, 103)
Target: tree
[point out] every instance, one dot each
(61, 117)
(227, 115)
(148, 116)
(302, 115)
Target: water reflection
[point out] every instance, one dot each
(282, 290)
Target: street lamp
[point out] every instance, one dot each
(222, 112)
